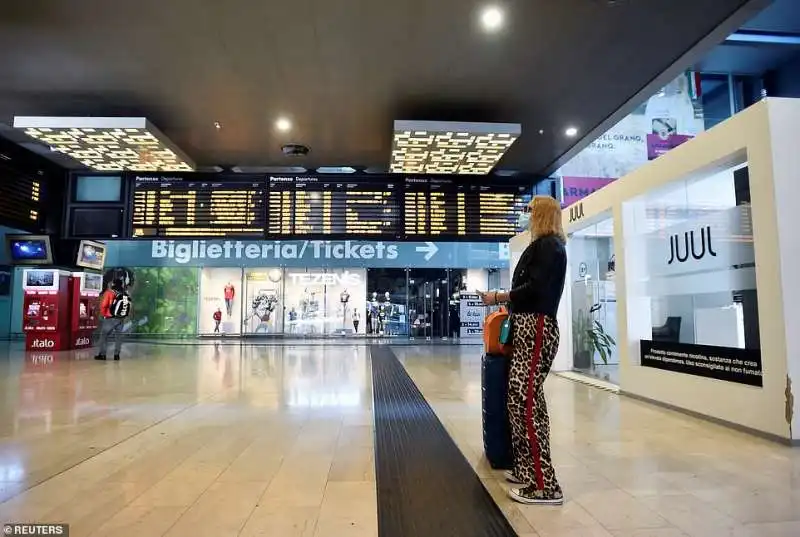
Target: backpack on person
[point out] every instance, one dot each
(121, 305)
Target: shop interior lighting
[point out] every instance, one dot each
(450, 147)
(571, 132)
(108, 143)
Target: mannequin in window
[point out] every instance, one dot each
(229, 293)
(344, 298)
(356, 320)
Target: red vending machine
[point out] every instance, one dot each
(45, 314)
(85, 290)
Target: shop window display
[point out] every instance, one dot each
(592, 268)
(691, 266)
(220, 301)
(263, 301)
(386, 303)
(324, 302)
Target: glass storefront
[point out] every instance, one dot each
(262, 303)
(380, 302)
(691, 259)
(594, 300)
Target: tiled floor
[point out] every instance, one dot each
(278, 441)
(628, 469)
(191, 441)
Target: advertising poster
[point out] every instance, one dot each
(657, 145)
(472, 314)
(576, 188)
(665, 121)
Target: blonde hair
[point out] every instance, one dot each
(546, 217)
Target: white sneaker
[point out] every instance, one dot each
(511, 478)
(518, 496)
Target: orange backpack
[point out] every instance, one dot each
(491, 333)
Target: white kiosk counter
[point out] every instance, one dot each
(705, 248)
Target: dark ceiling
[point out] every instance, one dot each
(343, 70)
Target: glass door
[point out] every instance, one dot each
(428, 303)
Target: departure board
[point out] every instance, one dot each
(188, 206)
(304, 206)
(452, 208)
(387, 207)
(20, 198)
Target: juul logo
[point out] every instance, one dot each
(44, 343)
(82, 341)
(576, 212)
(688, 239)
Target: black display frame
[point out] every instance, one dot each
(528, 182)
(721, 363)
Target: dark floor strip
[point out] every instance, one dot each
(425, 485)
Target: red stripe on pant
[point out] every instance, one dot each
(537, 353)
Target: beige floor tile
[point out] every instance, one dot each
(269, 520)
(139, 521)
(222, 510)
(652, 532)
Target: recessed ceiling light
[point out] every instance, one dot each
(217, 125)
(283, 124)
(571, 131)
(492, 18)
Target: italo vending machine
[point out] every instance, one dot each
(84, 300)
(46, 309)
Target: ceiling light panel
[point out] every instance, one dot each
(443, 147)
(108, 143)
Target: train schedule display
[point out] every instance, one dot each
(384, 207)
(187, 207)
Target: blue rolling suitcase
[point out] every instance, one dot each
(496, 432)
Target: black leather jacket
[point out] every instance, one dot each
(539, 277)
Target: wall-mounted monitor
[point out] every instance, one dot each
(91, 255)
(29, 249)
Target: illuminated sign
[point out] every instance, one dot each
(325, 278)
(108, 143)
(450, 147)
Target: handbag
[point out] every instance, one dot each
(493, 328)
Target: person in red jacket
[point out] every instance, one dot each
(110, 326)
(217, 320)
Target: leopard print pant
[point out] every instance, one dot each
(535, 344)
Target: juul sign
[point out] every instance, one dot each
(351, 279)
(687, 242)
(576, 212)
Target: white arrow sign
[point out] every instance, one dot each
(430, 250)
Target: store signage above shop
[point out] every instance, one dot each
(311, 279)
(307, 253)
(719, 240)
(576, 212)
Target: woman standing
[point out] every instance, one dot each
(533, 301)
